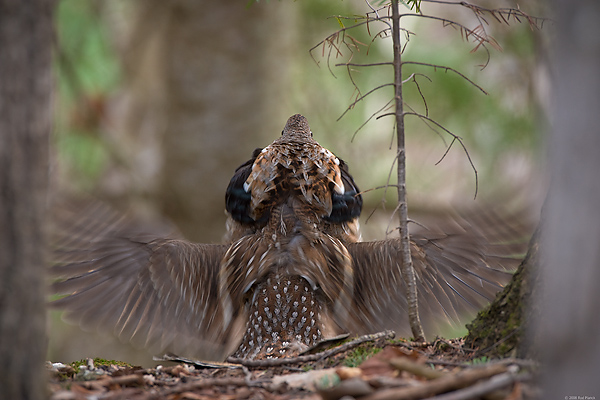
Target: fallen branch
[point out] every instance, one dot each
(275, 362)
(103, 382)
(496, 382)
(205, 383)
(440, 385)
(196, 363)
(415, 368)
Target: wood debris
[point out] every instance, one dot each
(397, 370)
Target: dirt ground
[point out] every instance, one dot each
(367, 368)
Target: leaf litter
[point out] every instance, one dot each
(375, 369)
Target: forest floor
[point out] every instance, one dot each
(372, 367)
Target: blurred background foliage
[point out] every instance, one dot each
(104, 50)
(88, 72)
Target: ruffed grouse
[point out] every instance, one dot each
(292, 272)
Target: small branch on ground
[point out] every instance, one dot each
(274, 362)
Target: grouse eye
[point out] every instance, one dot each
(311, 135)
(281, 133)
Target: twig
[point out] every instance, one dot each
(362, 97)
(104, 382)
(378, 17)
(440, 385)
(465, 32)
(414, 78)
(203, 383)
(447, 363)
(435, 67)
(195, 363)
(274, 362)
(389, 231)
(363, 65)
(430, 126)
(377, 188)
(415, 368)
(503, 16)
(482, 388)
(335, 36)
(386, 105)
(455, 138)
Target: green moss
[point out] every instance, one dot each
(328, 381)
(479, 361)
(98, 362)
(307, 367)
(397, 341)
(359, 355)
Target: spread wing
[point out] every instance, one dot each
(154, 290)
(460, 265)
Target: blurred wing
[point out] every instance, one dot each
(324, 263)
(460, 265)
(157, 292)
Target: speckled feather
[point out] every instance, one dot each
(284, 318)
(294, 164)
(292, 183)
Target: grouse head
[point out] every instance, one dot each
(294, 165)
(297, 125)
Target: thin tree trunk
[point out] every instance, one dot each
(25, 125)
(408, 272)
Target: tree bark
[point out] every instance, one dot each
(562, 319)
(566, 334)
(25, 125)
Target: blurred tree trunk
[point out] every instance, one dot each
(205, 85)
(25, 125)
(563, 320)
(569, 327)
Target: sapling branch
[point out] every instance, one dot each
(455, 138)
(478, 34)
(388, 232)
(351, 106)
(502, 15)
(446, 68)
(428, 124)
(371, 117)
(413, 77)
(363, 65)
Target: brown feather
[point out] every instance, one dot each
(460, 261)
(156, 292)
